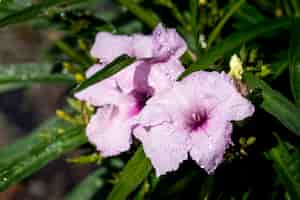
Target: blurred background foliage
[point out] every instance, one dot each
(44, 53)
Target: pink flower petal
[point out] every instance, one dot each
(109, 131)
(108, 47)
(154, 115)
(167, 43)
(162, 76)
(105, 92)
(142, 46)
(210, 143)
(237, 108)
(165, 147)
(198, 108)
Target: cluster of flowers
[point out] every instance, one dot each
(173, 120)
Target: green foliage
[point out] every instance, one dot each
(22, 148)
(286, 161)
(260, 28)
(232, 9)
(117, 65)
(27, 155)
(146, 16)
(89, 186)
(133, 174)
(233, 41)
(276, 104)
(32, 73)
(33, 11)
(294, 61)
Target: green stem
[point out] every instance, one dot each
(194, 21)
(296, 7)
(177, 14)
(135, 172)
(146, 16)
(287, 8)
(219, 27)
(73, 54)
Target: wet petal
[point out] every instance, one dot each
(165, 148)
(167, 43)
(105, 92)
(208, 145)
(108, 47)
(142, 46)
(110, 133)
(162, 76)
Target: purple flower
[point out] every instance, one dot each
(121, 97)
(192, 118)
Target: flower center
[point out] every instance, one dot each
(197, 120)
(140, 98)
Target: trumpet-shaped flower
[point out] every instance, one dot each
(121, 97)
(192, 118)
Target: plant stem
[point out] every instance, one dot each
(73, 54)
(219, 27)
(296, 7)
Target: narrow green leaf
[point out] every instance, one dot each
(22, 147)
(233, 41)
(294, 61)
(36, 151)
(296, 6)
(278, 68)
(9, 6)
(232, 9)
(286, 161)
(85, 62)
(84, 159)
(26, 74)
(146, 16)
(276, 104)
(173, 8)
(88, 187)
(135, 171)
(248, 14)
(33, 11)
(117, 65)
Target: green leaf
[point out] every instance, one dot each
(9, 6)
(135, 171)
(146, 16)
(286, 161)
(234, 7)
(77, 57)
(15, 4)
(248, 14)
(26, 74)
(276, 104)
(279, 63)
(233, 41)
(33, 11)
(36, 151)
(22, 148)
(117, 65)
(89, 187)
(294, 61)
(85, 159)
